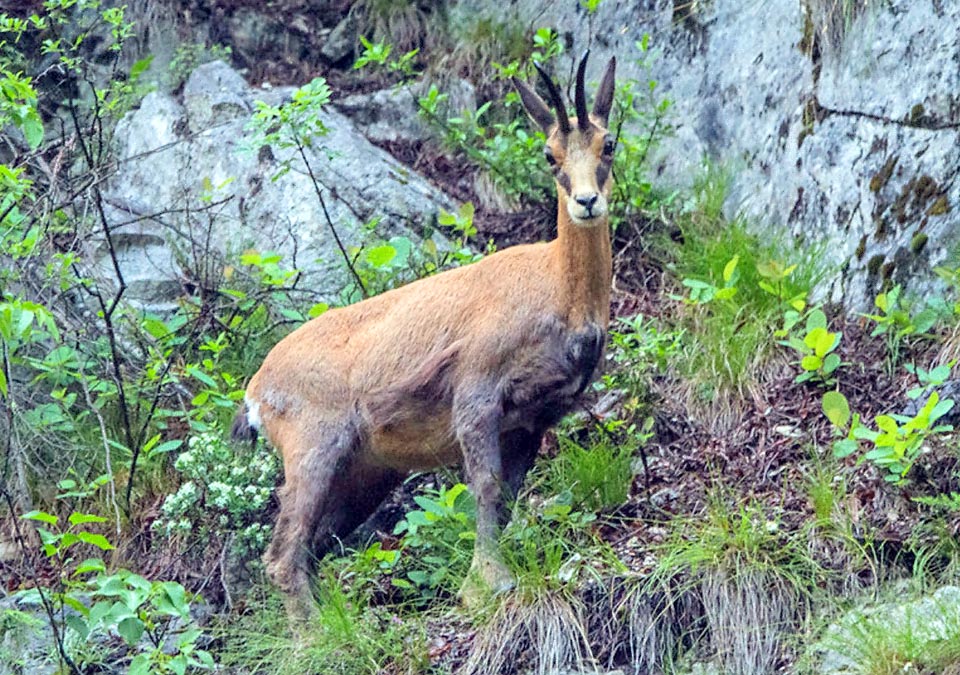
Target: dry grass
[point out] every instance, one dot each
(546, 634)
(831, 19)
(749, 612)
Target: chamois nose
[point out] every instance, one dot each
(587, 201)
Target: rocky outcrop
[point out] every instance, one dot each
(839, 127)
(187, 181)
(837, 122)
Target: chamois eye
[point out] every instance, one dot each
(609, 145)
(551, 160)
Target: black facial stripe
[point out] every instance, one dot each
(564, 181)
(603, 170)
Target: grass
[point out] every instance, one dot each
(922, 636)
(598, 475)
(727, 340)
(831, 19)
(751, 582)
(546, 632)
(346, 636)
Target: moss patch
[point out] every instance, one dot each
(939, 207)
(861, 247)
(919, 242)
(882, 177)
(874, 265)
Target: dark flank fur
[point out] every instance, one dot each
(241, 430)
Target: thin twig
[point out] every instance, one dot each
(326, 214)
(106, 448)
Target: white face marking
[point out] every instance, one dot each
(253, 411)
(581, 169)
(584, 218)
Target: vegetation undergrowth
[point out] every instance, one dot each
(111, 417)
(737, 289)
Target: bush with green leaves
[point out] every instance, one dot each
(900, 320)
(437, 544)
(224, 495)
(817, 349)
(897, 442)
(87, 605)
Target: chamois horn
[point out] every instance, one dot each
(562, 120)
(583, 117)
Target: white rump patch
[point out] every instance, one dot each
(253, 411)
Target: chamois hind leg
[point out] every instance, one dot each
(477, 421)
(358, 489)
(310, 465)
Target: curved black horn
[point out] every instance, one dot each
(583, 117)
(562, 120)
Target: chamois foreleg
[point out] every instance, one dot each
(477, 420)
(520, 448)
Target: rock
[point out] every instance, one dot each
(215, 93)
(341, 42)
(932, 621)
(184, 167)
(392, 114)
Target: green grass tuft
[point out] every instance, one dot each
(728, 339)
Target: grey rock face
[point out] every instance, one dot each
(392, 114)
(852, 155)
(184, 169)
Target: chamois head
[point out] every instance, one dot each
(579, 150)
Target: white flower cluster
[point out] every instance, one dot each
(225, 489)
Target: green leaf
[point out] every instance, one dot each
(730, 268)
(131, 630)
(140, 665)
(78, 625)
(381, 256)
(816, 319)
(165, 447)
(825, 343)
(196, 372)
(32, 129)
(82, 518)
(836, 408)
(844, 448)
(941, 409)
(97, 540)
(178, 664)
(813, 338)
(173, 600)
(811, 363)
(831, 363)
(41, 516)
(725, 293)
(139, 67)
(318, 309)
(90, 565)
(887, 424)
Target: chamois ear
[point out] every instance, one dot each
(534, 105)
(604, 100)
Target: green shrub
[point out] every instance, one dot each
(224, 495)
(437, 544)
(598, 476)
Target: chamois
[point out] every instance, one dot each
(471, 365)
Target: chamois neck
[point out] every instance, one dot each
(585, 265)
